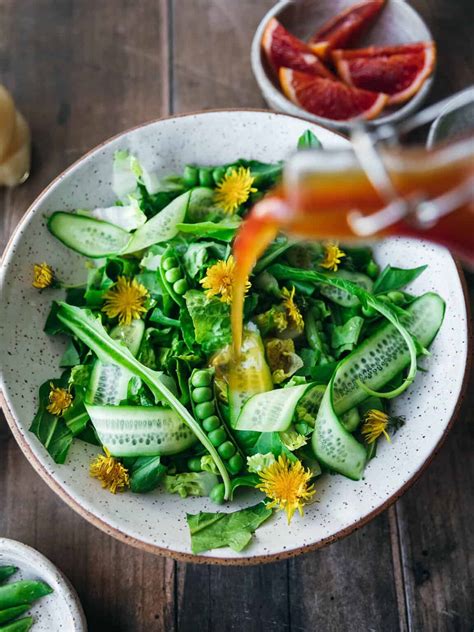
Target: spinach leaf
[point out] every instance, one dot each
(235, 529)
(51, 430)
(396, 278)
(70, 356)
(146, 474)
(264, 174)
(53, 326)
(308, 140)
(211, 320)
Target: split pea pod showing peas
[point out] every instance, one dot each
(22, 592)
(173, 276)
(194, 176)
(204, 407)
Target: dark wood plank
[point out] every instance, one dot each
(211, 53)
(349, 585)
(81, 72)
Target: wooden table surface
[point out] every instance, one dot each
(83, 70)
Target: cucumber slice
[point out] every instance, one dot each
(384, 354)
(108, 384)
(130, 335)
(90, 237)
(250, 376)
(378, 360)
(333, 445)
(140, 430)
(340, 296)
(272, 411)
(162, 226)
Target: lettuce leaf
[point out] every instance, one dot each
(191, 483)
(211, 320)
(235, 529)
(345, 337)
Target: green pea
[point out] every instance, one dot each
(181, 286)
(194, 464)
(173, 275)
(216, 437)
(226, 450)
(235, 463)
(211, 423)
(217, 174)
(204, 410)
(205, 177)
(201, 378)
(169, 263)
(396, 297)
(217, 493)
(191, 176)
(202, 394)
(372, 269)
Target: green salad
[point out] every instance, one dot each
(329, 339)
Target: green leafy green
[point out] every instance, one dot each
(235, 529)
(308, 140)
(395, 278)
(258, 462)
(50, 429)
(224, 230)
(211, 320)
(345, 337)
(146, 473)
(191, 483)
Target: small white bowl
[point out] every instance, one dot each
(398, 23)
(59, 611)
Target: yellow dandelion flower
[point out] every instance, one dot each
(234, 189)
(59, 400)
(219, 280)
(43, 276)
(126, 299)
(332, 256)
(375, 424)
(287, 485)
(292, 309)
(110, 472)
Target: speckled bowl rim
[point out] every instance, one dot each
(286, 106)
(189, 557)
(69, 595)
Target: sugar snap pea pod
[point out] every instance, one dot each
(201, 386)
(173, 277)
(22, 625)
(12, 613)
(21, 592)
(205, 177)
(6, 571)
(315, 335)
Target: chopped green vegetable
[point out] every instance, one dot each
(235, 529)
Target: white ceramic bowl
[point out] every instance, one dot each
(398, 23)
(60, 611)
(156, 522)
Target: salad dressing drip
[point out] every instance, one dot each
(317, 206)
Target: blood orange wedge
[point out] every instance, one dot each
(399, 71)
(345, 27)
(331, 99)
(284, 49)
